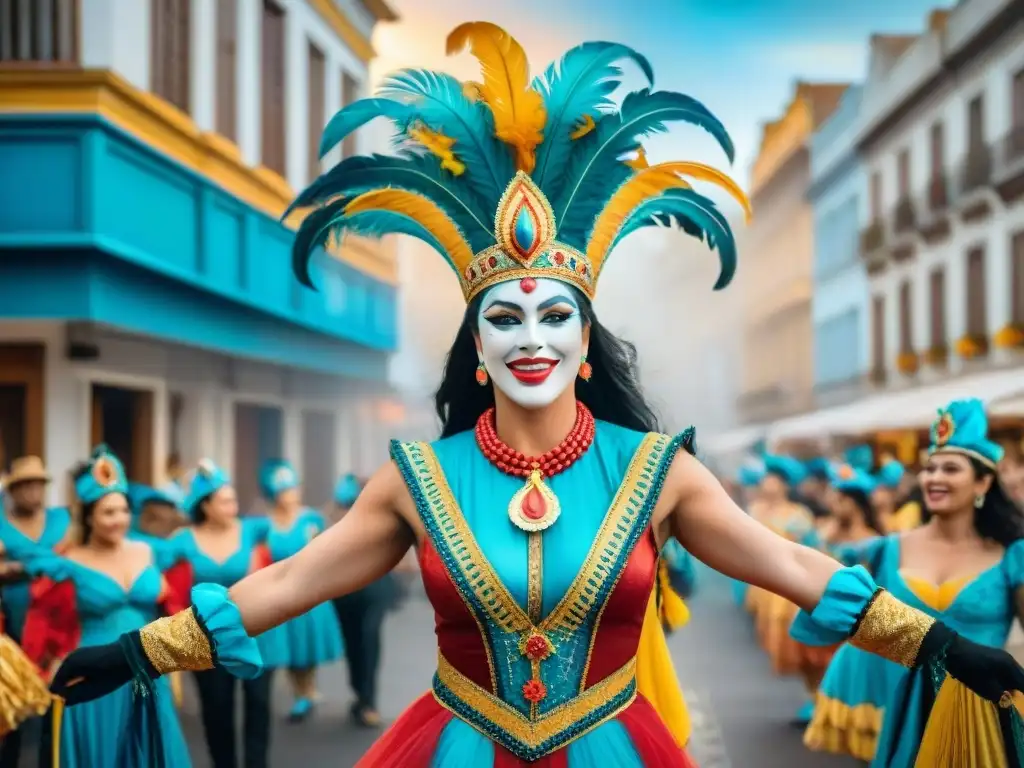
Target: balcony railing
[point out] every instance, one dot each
(905, 217)
(976, 169)
(872, 238)
(938, 193)
(1013, 145)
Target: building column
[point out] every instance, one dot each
(956, 294)
(224, 447)
(204, 60)
(891, 292)
(296, 69)
(291, 433)
(998, 279)
(344, 446)
(920, 315)
(248, 77)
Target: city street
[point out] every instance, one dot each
(740, 711)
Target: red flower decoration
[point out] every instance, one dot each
(943, 429)
(534, 691)
(537, 648)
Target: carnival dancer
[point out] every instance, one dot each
(313, 638)
(540, 610)
(848, 705)
(102, 586)
(222, 549)
(28, 529)
(893, 515)
(155, 514)
(361, 615)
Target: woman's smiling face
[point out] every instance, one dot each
(531, 338)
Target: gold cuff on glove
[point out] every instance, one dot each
(892, 629)
(177, 643)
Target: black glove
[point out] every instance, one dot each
(989, 672)
(93, 672)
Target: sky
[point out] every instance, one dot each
(741, 58)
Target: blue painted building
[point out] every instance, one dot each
(840, 299)
(146, 294)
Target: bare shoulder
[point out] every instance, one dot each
(685, 478)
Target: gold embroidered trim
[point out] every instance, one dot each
(892, 629)
(534, 732)
(535, 577)
(177, 643)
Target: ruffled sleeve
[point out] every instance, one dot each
(833, 619)
(52, 629)
(221, 620)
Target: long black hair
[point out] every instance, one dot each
(864, 505)
(613, 393)
(999, 518)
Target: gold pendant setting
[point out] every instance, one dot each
(534, 507)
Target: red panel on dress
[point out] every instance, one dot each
(260, 557)
(52, 629)
(412, 739)
(618, 633)
(177, 594)
(458, 634)
(651, 739)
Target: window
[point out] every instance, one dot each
(227, 69)
(836, 342)
(903, 173)
(878, 333)
(906, 319)
(937, 178)
(1017, 284)
(317, 108)
(349, 93)
(170, 32)
(977, 323)
(876, 196)
(1015, 141)
(976, 125)
(272, 111)
(937, 308)
(39, 31)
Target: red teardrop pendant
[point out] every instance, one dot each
(534, 505)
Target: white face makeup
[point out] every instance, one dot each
(531, 339)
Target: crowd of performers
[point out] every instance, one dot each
(120, 555)
(947, 540)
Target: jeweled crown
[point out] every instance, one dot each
(554, 161)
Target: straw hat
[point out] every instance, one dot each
(25, 469)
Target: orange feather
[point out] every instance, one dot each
(519, 113)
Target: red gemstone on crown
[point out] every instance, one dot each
(534, 506)
(528, 285)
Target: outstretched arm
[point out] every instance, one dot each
(364, 545)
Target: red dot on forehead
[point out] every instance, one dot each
(528, 284)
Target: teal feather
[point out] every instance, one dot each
(376, 224)
(578, 84)
(439, 102)
(696, 215)
(412, 172)
(356, 115)
(311, 235)
(588, 186)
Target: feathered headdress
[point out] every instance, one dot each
(511, 178)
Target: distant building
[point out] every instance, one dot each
(148, 150)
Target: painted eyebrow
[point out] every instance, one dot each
(555, 301)
(503, 305)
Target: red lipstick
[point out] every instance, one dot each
(532, 370)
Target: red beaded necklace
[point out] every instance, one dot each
(535, 507)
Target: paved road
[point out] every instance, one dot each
(740, 711)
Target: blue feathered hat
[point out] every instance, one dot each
(789, 469)
(750, 474)
(104, 475)
(514, 177)
(860, 457)
(347, 491)
(962, 427)
(140, 495)
(819, 468)
(845, 477)
(277, 476)
(208, 478)
(890, 474)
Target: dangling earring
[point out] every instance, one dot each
(979, 501)
(586, 369)
(481, 374)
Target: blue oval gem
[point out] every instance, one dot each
(524, 230)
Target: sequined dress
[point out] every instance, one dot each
(537, 633)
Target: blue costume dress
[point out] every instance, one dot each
(313, 638)
(537, 632)
(99, 610)
(20, 548)
(851, 699)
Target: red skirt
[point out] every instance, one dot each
(412, 740)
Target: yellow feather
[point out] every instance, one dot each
(639, 162)
(648, 183)
(424, 212)
(439, 145)
(586, 125)
(519, 113)
(473, 90)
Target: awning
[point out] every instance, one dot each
(910, 408)
(733, 441)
